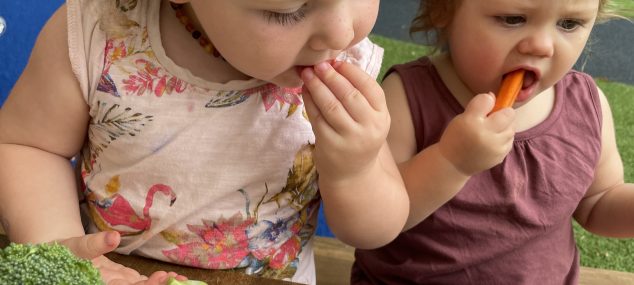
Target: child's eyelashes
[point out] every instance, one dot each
(286, 18)
(570, 25)
(510, 20)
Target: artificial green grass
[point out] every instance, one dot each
(596, 251)
(627, 4)
(397, 52)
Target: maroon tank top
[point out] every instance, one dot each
(511, 224)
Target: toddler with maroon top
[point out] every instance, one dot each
(493, 194)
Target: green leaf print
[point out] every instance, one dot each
(227, 99)
(301, 182)
(111, 123)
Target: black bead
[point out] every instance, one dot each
(196, 34)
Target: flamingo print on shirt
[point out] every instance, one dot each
(116, 213)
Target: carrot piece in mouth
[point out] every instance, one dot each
(510, 88)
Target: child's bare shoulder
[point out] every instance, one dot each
(46, 102)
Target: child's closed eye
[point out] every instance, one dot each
(286, 18)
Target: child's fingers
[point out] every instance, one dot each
(165, 278)
(330, 108)
(352, 98)
(480, 105)
(93, 245)
(316, 119)
(157, 278)
(177, 276)
(501, 120)
(320, 126)
(311, 110)
(120, 281)
(120, 274)
(363, 82)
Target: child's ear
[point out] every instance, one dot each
(179, 1)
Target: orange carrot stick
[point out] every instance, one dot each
(511, 86)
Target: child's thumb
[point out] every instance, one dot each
(93, 245)
(480, 105)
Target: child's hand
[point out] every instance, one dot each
(473, 141)
(94, 246)
(349, 116)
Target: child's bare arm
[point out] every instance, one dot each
(428, 164)
(42, 124)
(471, 143)
(607, 207)
(364, 197)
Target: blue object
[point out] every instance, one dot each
(322, 227)
(3, 26)
(23, 21)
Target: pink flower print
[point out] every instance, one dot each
(150, 78)
(109, 47)
(272, 93)
(138, 83)
(277, 242)
(286, 254)
(167, 86)
(119, 52)
(106, 84)
(217, 245)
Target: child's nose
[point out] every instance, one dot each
(539, 43)
(333, 33)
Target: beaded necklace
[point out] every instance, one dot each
(197, 35)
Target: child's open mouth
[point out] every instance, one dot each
(530, 78)
(528, 86)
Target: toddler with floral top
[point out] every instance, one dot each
(209, 131)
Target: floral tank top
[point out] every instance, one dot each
(197, 173)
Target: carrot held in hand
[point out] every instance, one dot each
(511, 86)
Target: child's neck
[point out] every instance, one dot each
(442, 63)
(186, 52)
(527, 116)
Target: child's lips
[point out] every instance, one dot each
(300, 68)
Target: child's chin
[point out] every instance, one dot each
(288, 81)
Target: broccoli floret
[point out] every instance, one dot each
(27, 264)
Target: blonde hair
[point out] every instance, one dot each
(434, 15)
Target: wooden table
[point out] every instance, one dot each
(212, 277)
